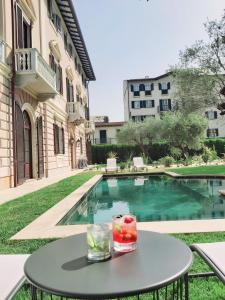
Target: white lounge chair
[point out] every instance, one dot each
(11, 275)
(139, 164)
(111, 165)
(213, 255)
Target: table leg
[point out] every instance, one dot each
(33, 293)
(186, 286)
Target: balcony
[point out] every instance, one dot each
(76, 112)
(34, 74)
(89, 127)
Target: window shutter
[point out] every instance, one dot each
(169, 104)
(132, 104)
(215, 114)
(217, 132)
(168, 86)
(60, 80)
(153, 103)
(19, 26)
(54, 135)
(49, 4)
(208, 132)
(67, 90)
(160, 105)
(65, 41)
(141, 87)
(160, 86)
(131, 88)
(152, 86)
(63, 141)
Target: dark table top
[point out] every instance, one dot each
(61, 267)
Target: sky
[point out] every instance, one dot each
(135, 38)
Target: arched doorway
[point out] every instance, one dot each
(23, 145)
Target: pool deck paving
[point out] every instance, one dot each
(34, 185)
(46, 226)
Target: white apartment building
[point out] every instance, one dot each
(151, 97)
(44, 74)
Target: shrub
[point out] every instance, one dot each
(112, 154)
(122, 165)
(197, 159)
(209, 154)
(167, 161)
(217, 143)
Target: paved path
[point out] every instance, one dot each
(33, 185)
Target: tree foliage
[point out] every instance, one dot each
(200, 75)
(182, 132)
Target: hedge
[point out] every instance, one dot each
(100, 152)
(157, 151)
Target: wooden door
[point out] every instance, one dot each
(40, 151)
(27, 146)
(19, 145)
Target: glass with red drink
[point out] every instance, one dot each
(124, 233)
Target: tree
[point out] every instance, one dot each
(184, 132)
(209, 58)
(143, 134)
(194, 90)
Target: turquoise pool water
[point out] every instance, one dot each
(150, 198)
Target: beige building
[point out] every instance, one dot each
(106, 132)
(151, 97)
(44, 74)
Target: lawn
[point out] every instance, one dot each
(203, 170)
(18, 213)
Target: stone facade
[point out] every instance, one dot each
(50, 92)
(106, 132)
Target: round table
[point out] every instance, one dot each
(61, 268)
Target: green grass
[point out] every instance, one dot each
(203, 170)
(18, 213)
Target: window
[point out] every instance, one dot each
(142, 87)
(214, 132)
(150, 103)
(58, 70)
(65, 41)
(164, 87)
(148, 89)
(70, 50)
(49, 6)
(81, 145)
(24, 30)
(76, 64)
(103, 136)
(138, 118)
(59, 141)
(79, 68)
(56, 20)
(211, 115)
(165, 104)
(69, 91)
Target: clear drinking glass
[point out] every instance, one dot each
(98, 240)
(124, 233)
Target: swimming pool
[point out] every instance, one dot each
(150, 198)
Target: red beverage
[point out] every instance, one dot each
(124, 233)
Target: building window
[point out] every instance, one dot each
(164, 87)
(58, 71)
(56, 20)
(138, 118)
(149, 88)
(69, 91)
(59, 140)
(214, 132)
(143, 104)
(65, 41)
(76, 64)
(150, 103)
(103, 136)
(164, 104)
(79, 69)
(81, 145)
(24, 32)
(211, 115)
(70, 50)
(136, 90)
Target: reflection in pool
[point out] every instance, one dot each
(150, 198)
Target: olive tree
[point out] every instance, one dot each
(142, 134)
(184, 132)
(203, 81)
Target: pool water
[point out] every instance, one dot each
(150, 198)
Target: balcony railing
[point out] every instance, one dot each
(2, 52)
(33, 72)
(90, 127)
(105, 141)
(76, 112)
